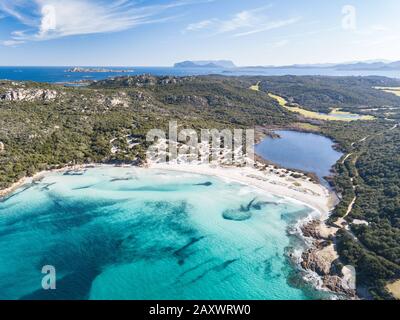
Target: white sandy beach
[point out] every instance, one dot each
(37, 176)
(310, 193)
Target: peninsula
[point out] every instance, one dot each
(97, 70)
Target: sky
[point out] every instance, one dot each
(162, 32)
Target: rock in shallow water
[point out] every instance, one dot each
(245, 211)
(205, 184)
(236, 215)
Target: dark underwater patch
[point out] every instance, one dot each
(205, 184)
(245, 211)
(84, 187)
(218, 268)
(74, 173)
(196, 267)
(166, 188)
(74, 286)
(130, 178)
(181, 254)
(14, 194)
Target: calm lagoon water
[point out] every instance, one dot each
(299, 150)
(126, 233)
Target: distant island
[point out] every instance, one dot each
(369, 66)
(81, 69)
(350, 66)
(205, 64)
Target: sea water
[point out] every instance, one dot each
(131, 233)
(60, 74)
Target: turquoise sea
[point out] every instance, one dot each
(131, 233)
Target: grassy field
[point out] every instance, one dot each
(335, 115)
(255, 87)
(306, 126)
(394, 289)
(394, 90)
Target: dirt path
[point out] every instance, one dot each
(346, 157)
(341, 222)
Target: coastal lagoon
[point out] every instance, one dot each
(308, 152)
(132, 233)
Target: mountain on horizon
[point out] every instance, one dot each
(205, 64)
(378, 65)
(370, 65)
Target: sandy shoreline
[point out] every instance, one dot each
(312, 194)
(37, 176)
(309, 193)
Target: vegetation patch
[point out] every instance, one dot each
(394, 90)
(335, 115)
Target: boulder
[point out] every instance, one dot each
(311, 260)
(336, 284)
(29, 95)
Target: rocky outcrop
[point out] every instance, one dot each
(140, 81)
(97, 70)
(323, 259)
(139, 96)
(310, 230)
(312, 260)
(191, 100)
(318, 230)
(29, 95)
(117, 101)
(1, 146)
(336, 284)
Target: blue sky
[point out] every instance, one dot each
(159, 33)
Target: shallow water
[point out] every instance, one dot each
(299, 150)
(127, 233)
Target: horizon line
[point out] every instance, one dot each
(369, 61)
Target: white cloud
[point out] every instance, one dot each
(243, 23)
(49, 19)
(199, 25)
(380, 28)
(269, 26)
(12, 43)
(15, 8)
(280, 43)
(240, 20)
